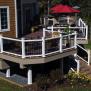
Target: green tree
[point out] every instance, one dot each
(44, 4)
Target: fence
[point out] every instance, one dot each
(81, 28)
(83, 54)
(38, 47)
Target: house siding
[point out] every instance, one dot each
(12, 32)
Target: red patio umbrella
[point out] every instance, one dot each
(63, 9)
(56, 7)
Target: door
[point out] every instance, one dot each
(27, 19)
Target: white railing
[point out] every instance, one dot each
(88, 55)
(81, 28)
(78, 65)
(37, 47)
(82, 32)
(81, 23)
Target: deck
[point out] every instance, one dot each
(38, 47)
(38, 60)
(45, 45)
(78, 25)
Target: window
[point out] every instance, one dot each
(4, 18)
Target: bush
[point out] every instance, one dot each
(55, 75)
(80, 78)
(42, 81)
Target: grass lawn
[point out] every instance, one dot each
(6, 86)
(88, 46)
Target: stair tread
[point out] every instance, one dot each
(84, 68)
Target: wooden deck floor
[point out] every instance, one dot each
(37, 60)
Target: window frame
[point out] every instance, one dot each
(8, 19)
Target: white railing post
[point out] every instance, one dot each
(86, 32)
(88, 57)
(8, 72)
(1, 44)
(43, 46)
(75, 55)
(75, 40)
(52, 28)
(60, 43)
(43, 32)
(23, 47)
(29, 75)
(78, 66)
(79, 22)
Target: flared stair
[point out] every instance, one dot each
(85, 69)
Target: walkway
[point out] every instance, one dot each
(14, 79)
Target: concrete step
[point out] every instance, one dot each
(15, 78)
(19, 79)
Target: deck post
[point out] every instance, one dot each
(29, 75)
(43, 46)
(75, 40)
(88, 57)
(23, 48)
(86, 32)
(52, 29)
(60, 43)
(79, 22)
(43, 32)
(78, 66)
(1, 44)
(8, 72)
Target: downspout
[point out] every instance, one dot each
(16, 18)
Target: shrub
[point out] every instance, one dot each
(42, 81)
(80, 78)
(55, 75)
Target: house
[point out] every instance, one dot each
(14, 15)
(19, 46)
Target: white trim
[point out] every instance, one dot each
(52, 52)
(16, 18)
(8, 19)
(0, 22)
(11, 39)
(82, 59)
(8, 72)
(12, 53)
(88, 56)
(29, 76)
(23, 48)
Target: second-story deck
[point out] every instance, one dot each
(38, 47)
(77, 25)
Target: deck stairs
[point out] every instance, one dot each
(83, 61)
(85, 69)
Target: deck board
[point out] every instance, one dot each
(37, 60)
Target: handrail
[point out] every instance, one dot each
(64, 27)
(52, 38)
(82, 21)
(82, 58)
(24, 47)
(34, 40)
(81, 25)
(11, 39)
(82, 48)
(88, 52)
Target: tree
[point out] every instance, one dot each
(44, 4)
